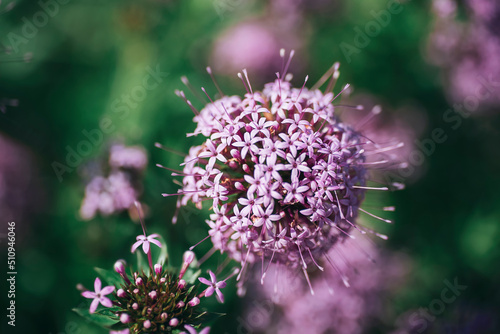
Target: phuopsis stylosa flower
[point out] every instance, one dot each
(284, 176)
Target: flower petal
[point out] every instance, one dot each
(93, 305)
(106, 302)
(89, 294)
(204, 281)
(212, 276)
(156, 242)
(107, 290)
(97, 285)
(220, 296)
(145, 246)
(209, 291)
(205, 330)
(190, 329)
(136, 244)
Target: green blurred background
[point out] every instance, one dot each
(91, 52)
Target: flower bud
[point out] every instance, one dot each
(164, 316)
(193, 302)
(173, 322)
(121, 293)
(235, 154)
(136, 291)
(188, 257)
(120, 267)
(233, 164)
(182, 284)
(163, 280)
(158, 269)
(125, 318)
(153, 294)
(138, 281)
(147, 324)
(135, 306)
(180, 304)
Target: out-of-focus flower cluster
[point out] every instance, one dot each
(285, 305)
(468, 52)
(116, 190)
(254, 44)
(21, 192)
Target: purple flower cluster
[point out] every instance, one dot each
(284, 175)
(153, 300)
(117, 191)
(21, 188)
(284, 305)
(467, 51)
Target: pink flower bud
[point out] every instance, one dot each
(153, 294)
(120, 267)
(233, 164)
(138, 281)
(188, 257)
(164, 316)
(147, 324)
(180, 304)
(124, 318)
(193, 302)
(121, 293)
(163, 280)
(158, 269)
(135, 306)
(235, 154)
(182, 284)
(173, 322)
(136, 291)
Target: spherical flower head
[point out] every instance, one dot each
(284, 175)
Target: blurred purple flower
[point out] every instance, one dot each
(255, 45)
(467, 52)
(283, 304)
(21, 187)
(192, 330)
(120, 188)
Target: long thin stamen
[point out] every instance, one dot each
(170, 150)
(325, 76)
(209, 70)
(308, 280)
(186, 82)
(374, 216)
(199, 242)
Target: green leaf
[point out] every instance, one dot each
(103, 317)
(191, 275)
(110, 277)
